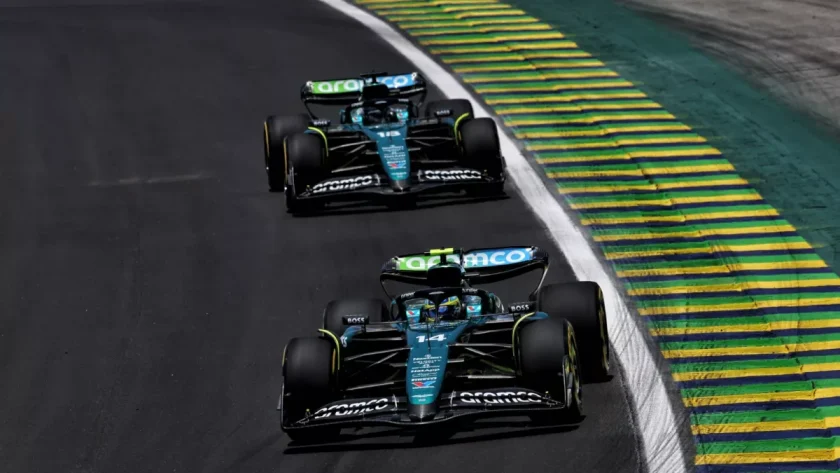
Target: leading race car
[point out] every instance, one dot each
(448, 352)
(381, 146)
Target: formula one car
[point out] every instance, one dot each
(381, 147)
(448, 352)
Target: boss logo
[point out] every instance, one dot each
(521, 307)
(355, 319)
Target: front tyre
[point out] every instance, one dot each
(309, 365)
(275, 131)
(481, 150)
(549, 363)
(305, 154)
(582, 304)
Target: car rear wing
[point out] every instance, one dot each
(348, 91)
(481, 265)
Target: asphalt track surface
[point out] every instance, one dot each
(149, 280)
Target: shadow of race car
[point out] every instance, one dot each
(381, 147)
(448, 352)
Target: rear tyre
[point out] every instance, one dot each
(275, 130)
(305, 153)
(374, 309)
(458, 106)
(549, 362)
(308, 381)
(481, 150)
(582, 304)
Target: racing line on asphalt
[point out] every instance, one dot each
(151, 281)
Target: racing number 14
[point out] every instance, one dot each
(434, 338)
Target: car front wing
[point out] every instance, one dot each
(392, 410)
(424, 181)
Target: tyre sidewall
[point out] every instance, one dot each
(582, 304)
(480, 146)
(547, 354)
(275, 131)
(309, 374)
(305, 157)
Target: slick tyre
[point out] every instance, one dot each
(582, 304)
(374, 309)
(459, 107)
(275, 130)
(480, 146)
(308, 384)
(549, 362)
(305, 154)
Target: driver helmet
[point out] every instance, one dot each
(397, 114)
(449, 309)
(366, 115)
(357, 115)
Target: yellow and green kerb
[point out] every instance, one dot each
(741, 304)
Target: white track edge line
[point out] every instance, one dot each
(658, 425)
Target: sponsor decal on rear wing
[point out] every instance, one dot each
(348, 86)
(475, 259)
(346, 91)
(481, 265)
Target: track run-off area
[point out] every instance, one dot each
(740, 304)
(150, 281)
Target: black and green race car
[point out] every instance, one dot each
(448, 352)
(381, 146)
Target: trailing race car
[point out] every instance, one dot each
(381, 147)
(448, 352)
